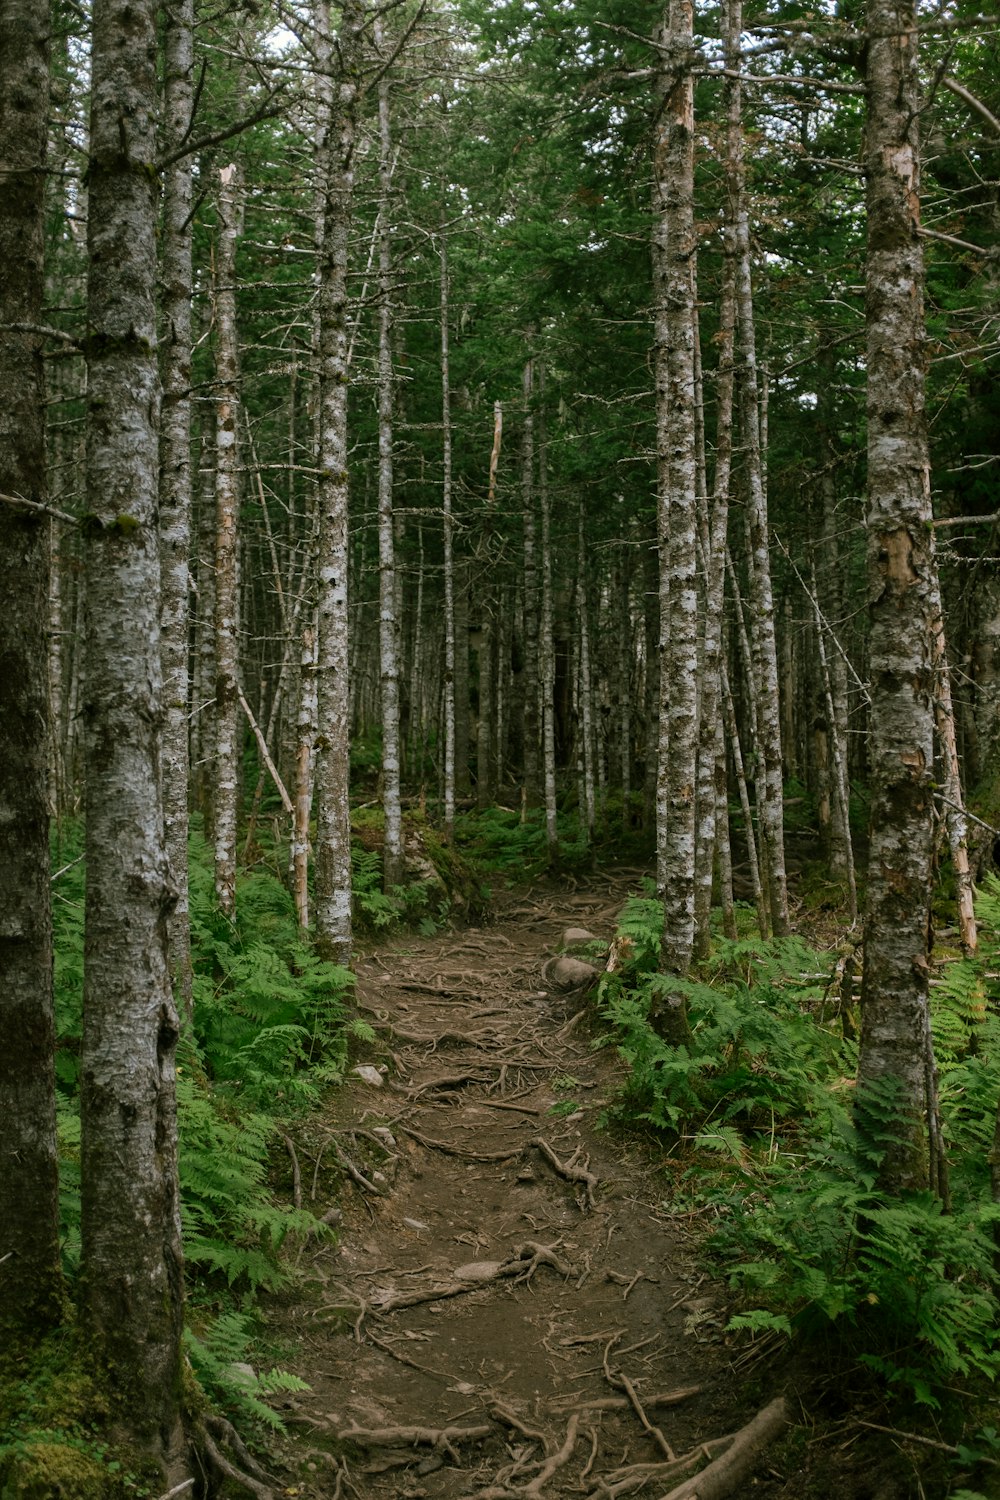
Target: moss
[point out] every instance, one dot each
(52, 1470)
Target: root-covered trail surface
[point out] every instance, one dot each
(511, 1308)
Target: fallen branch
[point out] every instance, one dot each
(296, 1174)
(620, 1403)
(728, 1473)
(568, 1169)
(178, 1489)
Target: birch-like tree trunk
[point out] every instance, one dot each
(335, 168)
(175, 472)
(714, 525)
(131, 1307)
(448, 527)
(486, 772)
(228, 736)
(892, 1064)
(674, 247)
(202, 741)
(388, 617)
(305, 751)
(532, 781)
(770, 810)
(30, 1287)
(546, 642)
(584, 686)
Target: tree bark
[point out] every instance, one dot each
(674, 247)
(228, 738)
(532, 783)
(448, 528)
(176, 278)
(333, 813)
(131, 1309)
(30, 1282)
(902, 592)
(486, 775)
(392, 857)
(546, 642)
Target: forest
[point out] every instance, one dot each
(469, 469)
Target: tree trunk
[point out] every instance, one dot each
(902, 596)
(489, 601)
(303, 775)
(30, 1284)
(333, 814)
(714, 526)
(448, 525)
(388, 619)
(175, 475)
(532, 785)
(203, 724)
(131, 1309)
(228, 736)
(585, 695)
(770, 810)
(674, 247)
(546, 642)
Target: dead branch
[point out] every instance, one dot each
(296, 1174)
(568, 1169)
(728, 1473)
(653, 1431)
(521, 1266)
(353, 1172)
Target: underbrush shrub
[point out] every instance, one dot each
(758, 1113)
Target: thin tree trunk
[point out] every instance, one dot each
(392, 857)
(307, 728)
(228, 738)
(951, 793)
(448, 524)
(546, 645)
(732, 731)
(585, 722)
(30, 1281)
(462, 702)
(333, 814)
(131, 1273)
(489, 601)
(674, 246)
(532, 785)
(841, 790)
(892, 1063)
(175, 475)
(203, 729)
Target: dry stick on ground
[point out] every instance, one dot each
(728, 1473)
(568, 1169)
(404, 1359)
(653, 1431)
(296, 1174)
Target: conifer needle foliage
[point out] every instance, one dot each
(759, 1111)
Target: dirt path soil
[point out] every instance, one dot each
(510, 1310)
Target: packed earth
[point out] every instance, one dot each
(512, 1306)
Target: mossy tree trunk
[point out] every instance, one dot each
(29, 1244)
(131, 1310)
(891, 1105)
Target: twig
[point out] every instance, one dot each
(20, 502)
(296, 1174)
(265, 754)
(915, 1437)
(178, 1489)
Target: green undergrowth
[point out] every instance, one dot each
(756, 1115)
(510, 844)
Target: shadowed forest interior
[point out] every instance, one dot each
(500, 685)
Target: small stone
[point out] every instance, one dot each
(415, 1224)
(477, 1270)
(385, 1136)
(573, 937)
(368, 1075)
(526, 1175)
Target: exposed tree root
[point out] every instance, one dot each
(621, 1403)
(729, 1471)
(521, 1266)
(568, 1169)
(438, 1439)
(225, 1469)
(446, 1146)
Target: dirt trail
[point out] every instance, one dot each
(509, 1310)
